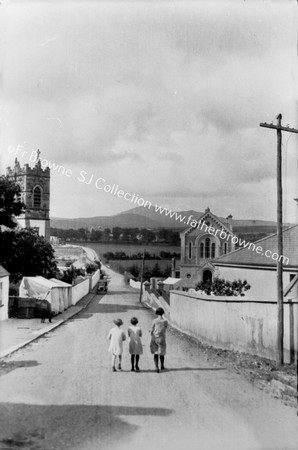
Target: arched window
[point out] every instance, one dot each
(213, 250)
(37, 197)
(202, 250)
(189, 250)
(207, 248)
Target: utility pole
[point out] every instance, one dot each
(142, 272)
(280, 309)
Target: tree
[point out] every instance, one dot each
(25, 253)
(10, 202)
(116, 233)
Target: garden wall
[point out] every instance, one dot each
(243, 325)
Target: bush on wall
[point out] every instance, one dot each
(220, 286)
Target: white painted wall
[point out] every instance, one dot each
(135, 284)
(79, 291)
(242, 325)
(95, 278)
(4, 289)
(40, 224)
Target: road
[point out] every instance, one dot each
(60, 393)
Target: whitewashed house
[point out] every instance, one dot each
(4, 289)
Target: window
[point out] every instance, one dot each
(202, 250)
(189, 250)
(207, 248)
(37, 197)
(1, 293)
(226, 248)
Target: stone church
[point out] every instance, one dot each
(202, 244)
(35, 193)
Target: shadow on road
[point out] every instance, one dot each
(121, 293)
(102, 308)
(6, 367)
(182, 369)
(68, 426)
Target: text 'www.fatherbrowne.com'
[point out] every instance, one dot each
(222, 234)
(114, 189)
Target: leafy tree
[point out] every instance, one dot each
(10, 202)
(116, 233)
(106, 233)
(148, 235)
(96, 235)
(25, 253)
(134, 270)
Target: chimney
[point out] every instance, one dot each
(229, 219)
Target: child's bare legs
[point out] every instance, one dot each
(114, 362)
(120, 360)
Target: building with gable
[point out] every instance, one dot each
(35, 193)
(201, 244)
(257, 265)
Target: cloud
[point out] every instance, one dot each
(164, 99)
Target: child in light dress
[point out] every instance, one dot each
(135, 344)
(116, 337)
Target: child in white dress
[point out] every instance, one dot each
(135, 344)
(116, 337)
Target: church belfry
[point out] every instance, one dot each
(35, 193)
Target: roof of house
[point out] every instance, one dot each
(3, 272)
(171, 280)
(221, 222)
(249, 256)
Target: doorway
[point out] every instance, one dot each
(207, 276)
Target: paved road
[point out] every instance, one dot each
(60, 393)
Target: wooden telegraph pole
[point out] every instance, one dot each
(142, 273)
(280, 308)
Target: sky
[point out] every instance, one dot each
(162, 98)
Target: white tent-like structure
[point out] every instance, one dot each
(52, 291)
(66, 289)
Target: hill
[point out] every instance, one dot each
(140, 217)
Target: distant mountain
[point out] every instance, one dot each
(140, 217)
(125, 220)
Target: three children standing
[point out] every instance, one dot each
(157, 345)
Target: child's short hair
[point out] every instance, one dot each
(134, 320)
(160, 312)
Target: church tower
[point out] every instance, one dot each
(35, 193)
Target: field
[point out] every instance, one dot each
(129, 249)
(148, 264)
